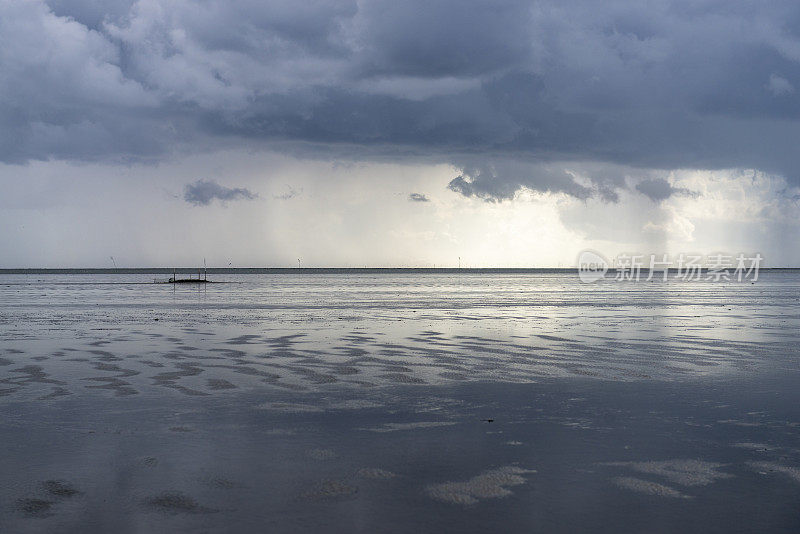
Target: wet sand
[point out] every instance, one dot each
(395, 403)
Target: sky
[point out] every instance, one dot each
(382, 133)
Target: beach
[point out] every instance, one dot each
(397, 401)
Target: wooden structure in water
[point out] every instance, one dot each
(175, 280)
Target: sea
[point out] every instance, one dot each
(398, 400)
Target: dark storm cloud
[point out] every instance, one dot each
(658, 189)
(502, 178)
(488, 184)
(437, 38)
(203, 192)
(418, 197)
(652, 85)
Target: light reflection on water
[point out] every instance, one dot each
(362, 401)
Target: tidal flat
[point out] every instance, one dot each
(397, 402)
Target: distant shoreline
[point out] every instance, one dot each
(289, 270)
(326, 270)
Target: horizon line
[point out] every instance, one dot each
(277, 270)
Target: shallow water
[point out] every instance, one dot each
(398, 401)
